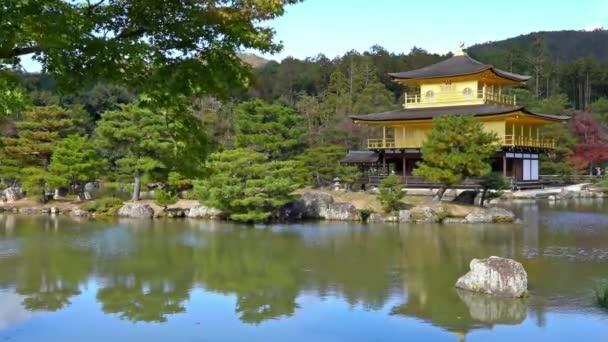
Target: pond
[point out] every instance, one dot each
(66, 280)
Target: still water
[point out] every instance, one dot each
(64, 280)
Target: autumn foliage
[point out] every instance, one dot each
(591, 147)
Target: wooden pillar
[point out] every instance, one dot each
(384, 163)
(404, 164)
(384, 136)
(504, 164)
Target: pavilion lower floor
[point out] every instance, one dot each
(518, 165)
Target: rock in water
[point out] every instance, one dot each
(203, 211)
(501, 215)
(493, 214)
(136, 210)
(495, 276)
(79, 213)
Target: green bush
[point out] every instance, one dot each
(601, 295)
(390, 193)
(105, 205)
(365, 214)
(3, 186)
(164, 198)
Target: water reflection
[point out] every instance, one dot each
(144, 271)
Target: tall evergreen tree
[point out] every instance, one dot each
(272, 129)
(135, 139)
(456, 147)
(74, 162)
(246, 186)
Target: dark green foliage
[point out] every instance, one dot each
(271, 129)
(323, 165)
(491, 181)
(391, 194)
(104, 205)
(155, 46)
(39, 130)
(246, 185)
(164, 198)
(365, 214)
(455, 148)
(134, 139)
(75, 162)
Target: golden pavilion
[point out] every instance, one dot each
(459, 85)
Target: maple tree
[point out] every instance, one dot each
(592, 139)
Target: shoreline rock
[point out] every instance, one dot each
(136, 210)
(203, 211)
(495, 276)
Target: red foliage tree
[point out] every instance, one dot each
(592, 139)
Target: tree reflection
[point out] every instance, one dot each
(50, 266)
(150, 278)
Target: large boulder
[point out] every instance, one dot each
(313, 204)
(136, 210)
(491, 215)
(466, 197)
(79, 213)
(203, 211)
(13, 194)
(340, 211)
(423, 214)
(479, 216)
(318, 205)
(404, 215)
(501, 215)
(495, 276)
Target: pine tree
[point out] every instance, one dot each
(272, 129)
(74, 162)
(26, 158)
(456, 147)
(391, 194)
(247, 186)
(337, 96)
(39, 130)
(323, 165)
(135, 140)
(374, 98)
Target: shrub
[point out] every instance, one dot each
(365, 214)
(601, 295)
(164, 198)
(105, 205)
(390, 193)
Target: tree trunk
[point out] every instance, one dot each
(440, 193)
(483, 196)
(136, 186)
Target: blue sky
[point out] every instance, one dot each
(336, 26)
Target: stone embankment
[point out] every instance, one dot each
(312, 205)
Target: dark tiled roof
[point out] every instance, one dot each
(455, 66)
(360, 157)
(430, 113)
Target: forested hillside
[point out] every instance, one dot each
(561, 45)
